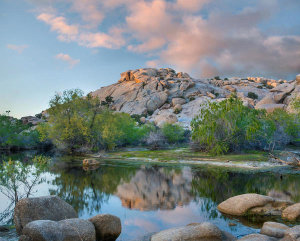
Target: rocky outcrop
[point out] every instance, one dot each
(195, 231)
(108, 227)
(41, 208)
(31, 120)
(257, 237)
(149, 91)
(69, 229)
(253, 203)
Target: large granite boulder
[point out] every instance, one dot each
(176, 101)
(292, 234)
(273, 229)
(41, 208)
(257, 237)
(292, 212)
(165, 116)
(196, 232)
(108, 227)
(66, 230)
(253, 203)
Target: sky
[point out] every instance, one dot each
(48, 46)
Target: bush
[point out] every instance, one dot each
(217, 78)
(173, 132)
(252, 95)
(229, 126)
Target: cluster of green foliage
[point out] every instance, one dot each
(252, 95)
(229, 126)
(14, 134)
(18, 180)
(173, 133)
(77, 122)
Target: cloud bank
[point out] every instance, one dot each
(206, 37)
(66, 58)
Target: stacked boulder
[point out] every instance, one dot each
(165, 96)
(49, 218)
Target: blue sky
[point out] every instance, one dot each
(47, 46)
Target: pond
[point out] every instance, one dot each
(154, 195)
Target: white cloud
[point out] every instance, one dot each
(65, 57)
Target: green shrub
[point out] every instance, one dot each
(217, 78)
(173, 132)
(229, 126)
(252, 95)
(225, 78)
(259, 87)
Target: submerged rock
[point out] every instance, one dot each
(41, 208)
(108, 227)
(253, 203)
(66, 230)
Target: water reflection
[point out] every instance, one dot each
(149, 198)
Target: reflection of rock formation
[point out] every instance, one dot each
(156, 188)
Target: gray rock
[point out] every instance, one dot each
(66, 230)
(108, 227)
(192, 232)
(292, 234)
(292, 212)
(178, 107)
(176, 101)
(257, 237)
(165, 116)
(273, 229)
(270, 107)
(41, 208)
(252, 203)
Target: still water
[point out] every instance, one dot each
(154, 196)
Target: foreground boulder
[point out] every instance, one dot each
(292, 234)
(108, 227)
(253, 203)
(41, 208)
(292, 212)
(257, 237)
(65, 230)
(196, 232)
(273, 229)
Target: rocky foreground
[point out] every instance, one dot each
(162, 95)
(51, 219)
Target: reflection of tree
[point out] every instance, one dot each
(211, 186)
(17, 181)
(88, 189)
(156, 188)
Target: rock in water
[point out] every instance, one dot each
(108, 227)
(41, 208)
(257, 237)
(66, 230)
(292, 212)
(196, 232)
(253, 203)
(273, 229)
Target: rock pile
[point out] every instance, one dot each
(166, 96)
(51, 219)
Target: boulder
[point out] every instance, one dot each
(269, 99)
(292, 212)
(41, 208)
(292, 234)
(201, 231)
(143, 120)
(66, 230)
(270, 107)
(178, 107)
(257, 237)
(273, 229)
(180, 101)
(230, 88)
(298, 79)
(252, 203)
(165, 116)
(108, 227)
(210, 95)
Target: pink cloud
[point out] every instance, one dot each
(17, 48)
(191, 5)
(65, 57)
